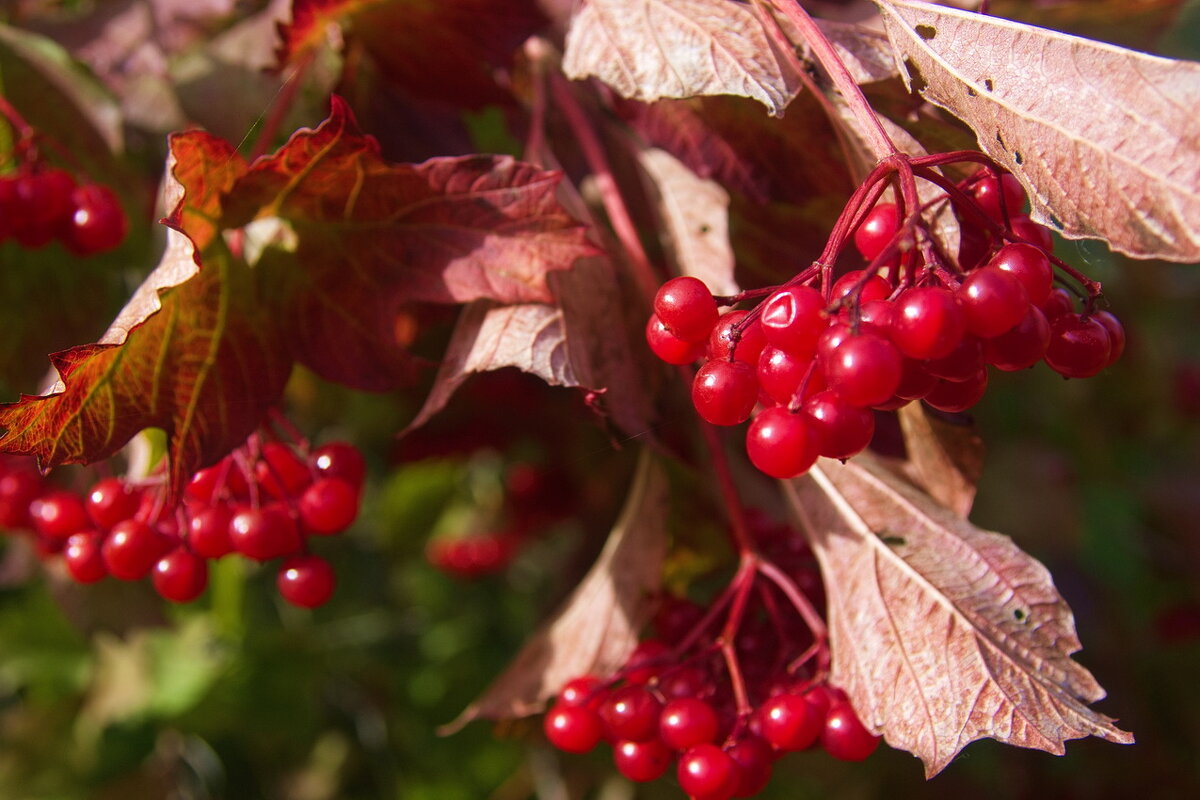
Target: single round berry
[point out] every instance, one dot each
(1029, 231)
(753, 759)
(915, 380)
(961, 363)
(732, 337)
(208, 531)
(1030, 266)
(993, 301)
(306, 581)
(780, 443)
(328, 506)
(1079, 346)
(642, 761)
(84, 558)
(844, 736)
(340, 460)
(780, 375)
(44, 203)
(280, 472)
(929, 322)
(646, 661)
(1000, 196)
(631, 712)
(789, 722)
(572, 729)
(687, 308)
(880, 314)
(264, 533)
(18, 490)
(58, 514)
(877, 230)
(686, 722)
(111, 500)
(97, 223)
(955, 396)
(586, 690)
(1116, 334)
(1021, 347)
(875, 287)
(706, 772)
(725, 392)
(181, 576)
(669, 347)
(1060, 301)
(132, 549)
(792, 319)
(842, 429)
(864, 369)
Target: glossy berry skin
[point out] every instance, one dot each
(586, 690)
(844, 736)
(572, 729)
(208, 531)
(263, 533)
(1029, 231)
(1021, 347)
(340, 460)
(789, 722)
(959, 364)
(280, 472)
(999, 196)
(1057, 303)
(1079, 346)
(632, 713)
(686, 722)
(877, 230)
(18, 490)
(1030, 266)
(706, 772)
(733, 337)
(642, 762)
(752, 759)
(792, 320)
(180, 576)
(97, 222)
(111, 500)
(956, 396)
(874, 288)
(1116, 334)
(725, 392)
(687, 308)
(58, 514)
(669, 347)
(306, 581)
(864, 369)
(328, 506)
(915, 380)
(781, 374)
(780, 443)
(83, 556)
(44, 205)
(929, 322)
(132, 549)
(842, 430)
(992, 300)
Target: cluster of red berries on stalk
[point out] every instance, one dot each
(817, 355)
(721, 692)
(262, 501)
(39, 205)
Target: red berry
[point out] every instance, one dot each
(687, 308)
(999, 196)
(58, 514)
(687, 721)
(1116, 334)
(752, 758)
(993, 301)
(84, 558)
(97, 224)
(874, 288)
(733, 337)
(842, 429)
(1021, 347)
(789, 722)
(340, 460)
(328, 506)
(306, 581)
(44, 204)
(955, 396)
(642, 761)
(264, 533)
(780, 443)
(18, 490)
(280, 472)
(915, 380)
(780, 375)
(961, 363)
(1029, 265)
(792, 319)
(706, 772)
(630, 712)
(929, 322)
(585, 690)
(863, 369)
(1079, 346)
(669, 347)
(1058, 302)
(208, 531)
(572, 729)
(1029, 231)
(877, 230)
(181, 576)
(112, 500)
(725, 392)
(132, 549)
(845, 737)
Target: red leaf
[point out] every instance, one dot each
(309, 26)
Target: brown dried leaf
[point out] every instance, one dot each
(596, 628)
(651, 49)
(695, 211)
(944, 458)
(941, 633)
(1105, 140)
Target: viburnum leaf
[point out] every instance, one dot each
(597, 627)
(651, 49)
(1105, 140)
(695, 214)
(945, 458)
(941, 633)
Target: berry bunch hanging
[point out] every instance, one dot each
(818, 355)
(41, 204)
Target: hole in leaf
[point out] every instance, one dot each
(999, 138)
(705, 228)
(915, 80)
(926, 32)
(893, 540)
(1019, 615)
(1017, 157)
(987, 84)
(1056, 222)
(971, 92)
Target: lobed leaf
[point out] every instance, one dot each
(941, 633)
(1105, 140)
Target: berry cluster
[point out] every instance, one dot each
(817, 355)
(262, 501)
(721, 692)
(40, 205)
